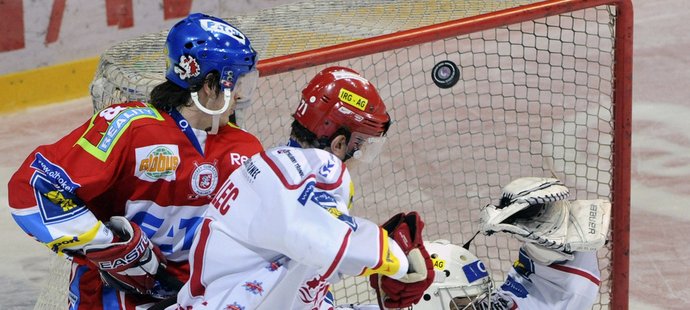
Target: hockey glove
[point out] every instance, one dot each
(130, 262)
(406, 231)
(535, 210)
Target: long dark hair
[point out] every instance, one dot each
(168, 95)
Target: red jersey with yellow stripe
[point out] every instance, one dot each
(130, 160)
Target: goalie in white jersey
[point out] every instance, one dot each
(279, 232)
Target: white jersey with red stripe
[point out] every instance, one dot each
(279, 233)
(530, 285)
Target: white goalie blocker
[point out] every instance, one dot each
(461, 278)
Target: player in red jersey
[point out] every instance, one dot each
(122, 194)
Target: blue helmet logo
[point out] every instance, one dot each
(201, 44)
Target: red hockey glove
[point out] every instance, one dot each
(130, 263)
(406, 230)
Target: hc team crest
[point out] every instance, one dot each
(204, 179)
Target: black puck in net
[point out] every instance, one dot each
(445, 74)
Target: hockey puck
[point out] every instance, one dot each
(445, 74)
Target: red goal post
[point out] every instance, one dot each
(545, 87)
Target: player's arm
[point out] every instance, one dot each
(46, 195)
(49, 195)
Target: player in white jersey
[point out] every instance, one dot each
(279, 233)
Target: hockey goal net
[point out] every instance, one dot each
(544, 87)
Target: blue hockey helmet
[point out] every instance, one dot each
(200, 44)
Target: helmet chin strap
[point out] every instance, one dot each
(215, 114)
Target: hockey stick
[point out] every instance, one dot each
(169, 281)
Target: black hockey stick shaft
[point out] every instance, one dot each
(170, 282)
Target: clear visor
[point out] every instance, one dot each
(369, 149)
(244, 89)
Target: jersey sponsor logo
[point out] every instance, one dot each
(250, 170)
(119, 123)
(56, 174)
(254, 287)
(293, 160)
(172, 229)
(328, 203)
(353, 99)
(54, 191)
(157, 162)
(237, 159)
(60, 244)
(475, 270)
(57, 198)
(204, 179)
(326, 169)
(304, 196)
(214, 26)
(99, 139)
(514, 287)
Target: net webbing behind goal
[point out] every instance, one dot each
(543, 88)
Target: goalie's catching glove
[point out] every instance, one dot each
(406, 231)
(130, 262)
(535, 210)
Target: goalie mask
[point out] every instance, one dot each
(339, 98)
(201, 44)
(461, 278)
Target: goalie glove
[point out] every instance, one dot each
(536, 211)
(406, 231)
(130, 262)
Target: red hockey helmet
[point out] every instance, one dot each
(339, 98)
